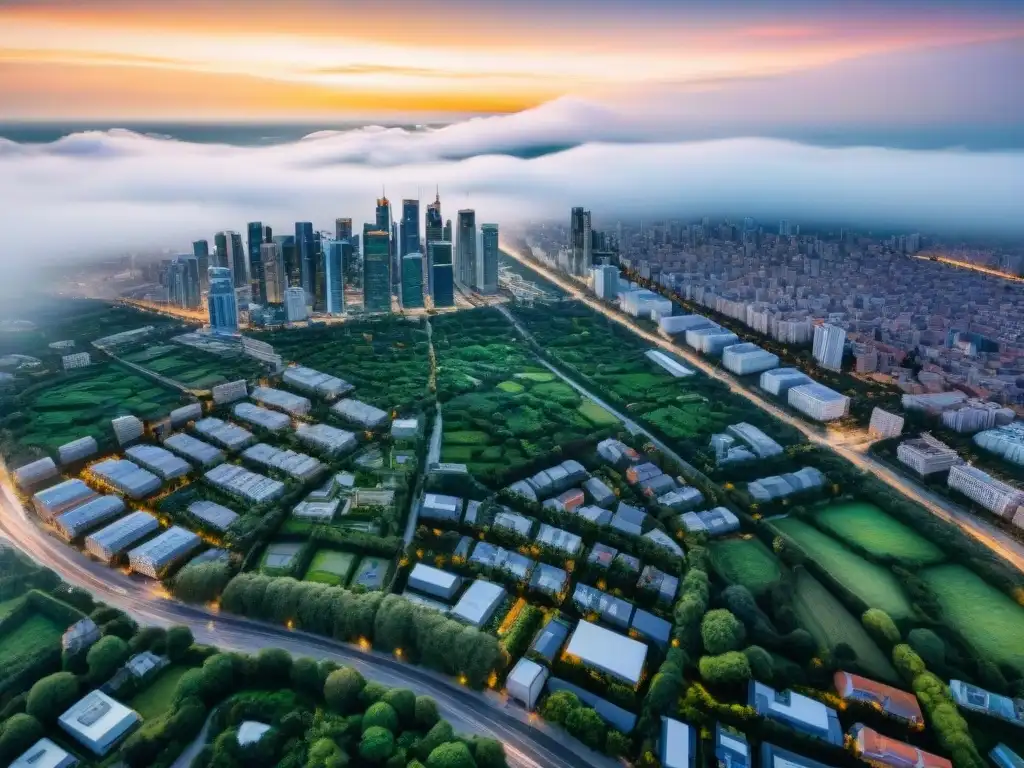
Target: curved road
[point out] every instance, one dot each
(1001, 544)
(528, 743)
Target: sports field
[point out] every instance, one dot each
(747, 562)
(330, 566)
(868, 527)
(988, 619)
(830, 623)
(876, 586)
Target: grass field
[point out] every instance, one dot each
(512, 387)
(747, 562)
(35, 632)
(194, 367)
(538, 376)
(988, 619)
(596, 414)
(867, 526)
(371, 573)
(330, 566)
(875, 585)
(467, 437)
(157, 698)
(9, 605)
(830, 623)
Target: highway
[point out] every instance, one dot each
(529, 743)
(1003, 545)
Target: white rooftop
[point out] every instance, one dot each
(608, 651)
(95, 718)
(250, 731)
(43, 754)
(478, 603)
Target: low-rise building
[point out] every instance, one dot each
(513, 521)
(617, 655)
(1005, 441)
(656, 486)
(934, 403)
(160, 462)
(229, 436)
(297, 465)
(617, 453)
(45, 754)
(76, 360)
(994, 495)
(602, 555)
(876, 749)
(801, 713)
(80, 635)
(230, 391)
(549, 641)
(500, 559)
(30, 475)
(185, 414)
(662, 584)
(819, 402)
(548, 579)
(309, 380)
(780, 380)
(776, 757)
(884, 425)
(556, 538)
(215, 515)
(157, 555)
(713, 522)
(98, 722)
(681, 499)
(405, 429)
(779, 486)
(358, 412)
(331, 440)
(109, 542)
(711, 341)
(675, 324)
(127, 477)
(987, 703)
(526, 682)
(240, 482)
(628, 519)
(595, 515)
(78, 450)
(640, 472)
(762, 445)
(668, 363)
(598, 493)
(434, 581)
(613, 610)
(926, 455)
(196, 451)
(1004, 757)
(747, 358)
(648, 627)
(282, 400)
(566, 501)
(898, 704)
(677, 744)
(437, 506)
(478, 603)
(645, 304)
(557, 478)
(127, 429)
(83, 518)
(59, 498)
(663, 540)
(272, 421)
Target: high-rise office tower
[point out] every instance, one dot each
(447, 233)
(274, 278)
(305, 252)
(433, 232)
(256, 234)
(334, 276)
(580, 241)
(343, 229)
(201, 250)
(319, 298)
(230, 255)
(193, 290)
(487, 280)
(829, 341)
(220, 250)
(442, 277)
(606, 281)
(286, 244)
(376, 272)
(465, 248)
(221, 301)
(409, 236)
(383, 215)
(396, 259)
(295, 304)
(411, 294)
(268, 234)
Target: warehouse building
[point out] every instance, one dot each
(434, 581)
(801, 713)
(107, 543)
(819, 402)
(711, 341)
(280, 400)
(713, 522)
(677, 744)
(127, 477)
(646, 304)
(264, 418)
(780, 380)
(127, 429)
(172, 546)
(676, 324)
(98, 722)
(78, 520)
(244, 484)
(656, 486)
(437, 506)
(598, 648)
(215, 515)
(30, 475)
(556, 538)
(309, 380)
(478, 603)
(160, 462)
(230, 391)
(331, 440)
(746, 358)
(229, 436)
(317, 511)
(77, 450)
(203, 454)
(668, 363)
(59, 498)
(185, 414)
(358, 412)
(599, 493)
(45, 754)
(778, 486)
(297, 465)
(525, 682)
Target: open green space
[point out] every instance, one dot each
(987, 618)
(830, 623)
(194, 367)
(35, 632)
(466, 437)
(596, 414)
(9, 605)
(868, 527)
(157, 697)
(538, 376)
(512, 387)
(747, 562)
(372, 573)
(876, 586)
(331, 566)
(474, 346)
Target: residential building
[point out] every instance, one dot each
(711, 341)
(987, 703)
(260, 417)
(377, 271)
(926, 455)
(76, 360)
(478, 603)
(780, 380)
(646, 304)
(221, 301)
(829, 341)
(487, 260)
(605, 279)
(434, 581)
(79, 636)
(673, 325)
(412, 281)
(994, 495)
(714, 522)
(241, 483)
(77, 450)
(801, 713)
(876, 749)
(898, 704)
(819, 402)
(442, 277)
(746, 358)
(617, 655)
(884, 425)
(45, 754)
(98, 722)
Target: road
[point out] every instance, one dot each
(967, 265)
(529, 743)
(1003, 545)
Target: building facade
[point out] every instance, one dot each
(377, 270)
(926, 455)
(334, 277)
(819, 402)
(829, 341)
(221, 301)
(465, 244)
(442, 276)
(295, 304)
(606, 282)
(412, 281)
(487, 277)
(995, 496)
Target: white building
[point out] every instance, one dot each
(360, 413)
(606, 281)
(240, 482)
(434, 581)
(51, 501)
(676, 324)
(279, 399)
(127, 477)
(327, 438)
(746, 358)
(478, 603)
(310, 380)
(79, 449)
(670, 364)
(295, 304)
(819, 402)
(159, 461)
(76, 360)
(185, 414)
(926, 455)
(645, 303)
(759, 442)
(258, 416)
(711, 341)
(115, 538)
(526, 682)
(884, 424)
(45, 754)
(405, 429)
(780, 380)
(157, 555)
(599, 648)
(203, 454)
(934, 403)
(127, 429)
(994, 495)
(1006, 441)
(225, 434)
(98, 722)
(297, 465)
(677, 747)
(829, 341)
(230, 391)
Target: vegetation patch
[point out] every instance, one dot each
(512, 387)
(868, 527)
(538, 376)
(747, 562)
(596, 414)
(330, 566)
(466, 437)
(987, 618)
(158, 696)
(35, 632)
(372, 573)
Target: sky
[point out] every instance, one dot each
(311, 59)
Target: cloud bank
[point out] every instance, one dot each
(99, 193)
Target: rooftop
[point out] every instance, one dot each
(616, 654)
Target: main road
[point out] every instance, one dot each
(1003, 545)
(528, 743)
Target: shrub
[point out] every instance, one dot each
(122, 627)
(380, 715)
(273, 667)
(342, 689)
(51, 696)
(929, 646)
(306, 676)
(489, 753)
(907, 662)
(202, 582)
(558, 705)
(179, 640)
(586, 725)
(617, 744)
(324, 753)
(377, 744)
(403, 701)
(105, 656)
(452, 755)
(426, 713)
(729, 668)
(762, 666)
(19, 733)
(440, 734)
(372, 693)
(721, 632)
(880, 625)
(148, 639)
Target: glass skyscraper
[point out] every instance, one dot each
(409, 235)
(343, 229)
(412, 281)
(275, 279)
(305, 256)
(377, 271)
(221, 301)
(465, 257)
(334, 276)
(487, 282)
(441, 274)
(433, 232)
(201, 250)
(259, 286)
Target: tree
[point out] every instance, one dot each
(741, 602)
(762, 666)
(202, 582)
(617, 744)
(342, 689)
(558, 705)
(325, 753)
(451, 755)
(489, 753)
(380, 715)
(148, 639)
(306, 676)
(586, 725)
(729, 668)
(929, 646)
(51, 696)
(666, 686)
(122, 627)
(377, 745)
(881, 626)
(105, 656)
(403, 701)
(179, 640)
(721, 632)
(907, 662)
(426, 713)
(440, 734)
(372, 693)
(273, 667)
(20, 732)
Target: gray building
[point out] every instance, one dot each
(84, 517)
(107, 543)
(154, 557)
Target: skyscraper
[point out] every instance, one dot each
(220, 250)
(433, 232)
(412, 280)
(442, 277)
(409, 236)
(580, 242)
(193, 291)
(221, 301)
(383, 214)
(828, 346)
(230, 255)
(201, 250)
(255, 233)
(487, 281)
(288, 256)
(446, 235)
(376, 271)
(465, 256)
(295, 304)
(334, 276)
(343, 229)
(273, 276)
(305, 256)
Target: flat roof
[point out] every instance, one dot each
(678, 742)
(608, 651)
(43, 754)
(431, 575)
(94, 716)
(819, 392)
(479, 602)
